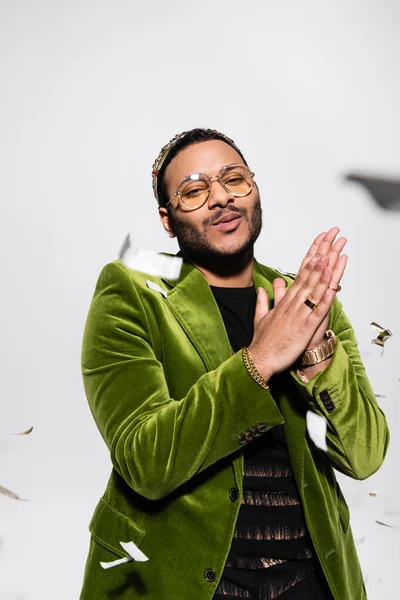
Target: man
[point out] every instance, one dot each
(201, 395)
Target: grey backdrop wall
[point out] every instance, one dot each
(90, 91)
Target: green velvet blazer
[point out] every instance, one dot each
(174, 406)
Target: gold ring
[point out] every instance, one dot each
(310, 304)
(339, 287)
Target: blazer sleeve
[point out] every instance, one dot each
(157, 442)
(357, 431)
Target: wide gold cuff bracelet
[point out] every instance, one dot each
(320, 353)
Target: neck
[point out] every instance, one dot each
(238, 274)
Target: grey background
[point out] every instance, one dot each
(90, 91)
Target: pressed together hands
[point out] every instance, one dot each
(283, 333)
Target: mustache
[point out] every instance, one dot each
(224, 213)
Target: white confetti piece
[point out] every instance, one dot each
(316, 427)
(134, 551)
(150, 262)
(115, 563)
(359, 541)
(285, 272)
(134, 554)
(156, 288)
(375, 584)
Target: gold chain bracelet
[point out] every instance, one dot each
(252, 369)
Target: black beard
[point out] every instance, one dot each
(196, 249)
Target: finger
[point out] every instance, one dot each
(306, 279)
(279, 290)
(325, 245)
(312, 251)
(338, 271)
(318, 314)
(315, 286)
(261, 306)
(335, 251)
(317, 293)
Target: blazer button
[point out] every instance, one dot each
(262, 428)
(325, 396)
(233, 494)
(249, 436)
(330, 407)
(209, 575)
(327, 401)
(242, 439)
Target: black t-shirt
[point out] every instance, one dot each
(237, 307)
(271, 554)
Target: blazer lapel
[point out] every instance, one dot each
(191, 301)
(263, 277)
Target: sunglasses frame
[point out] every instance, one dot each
(210, 180)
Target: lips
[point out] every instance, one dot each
(229, 223)
(228, 218)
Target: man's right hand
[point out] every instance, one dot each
(283, 333)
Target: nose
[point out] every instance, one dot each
(218, 194)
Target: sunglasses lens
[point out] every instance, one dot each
(237, 180)
(195, 192)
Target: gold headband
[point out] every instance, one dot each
(158, 163)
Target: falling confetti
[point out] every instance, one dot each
(115, 563)
(359, 541)
(134, 551)
(374, 493)
(27, 432)
(156, 288)
(384, 524)
(384, 335)
(9, 493)
(134, 554)
(292, 275)
(6, 492)
(384, 191)
(150, 262)
(316, 427)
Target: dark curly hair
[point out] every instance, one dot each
(194, 136)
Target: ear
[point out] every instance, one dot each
(165, 221)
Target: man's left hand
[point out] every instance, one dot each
(323, 245)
